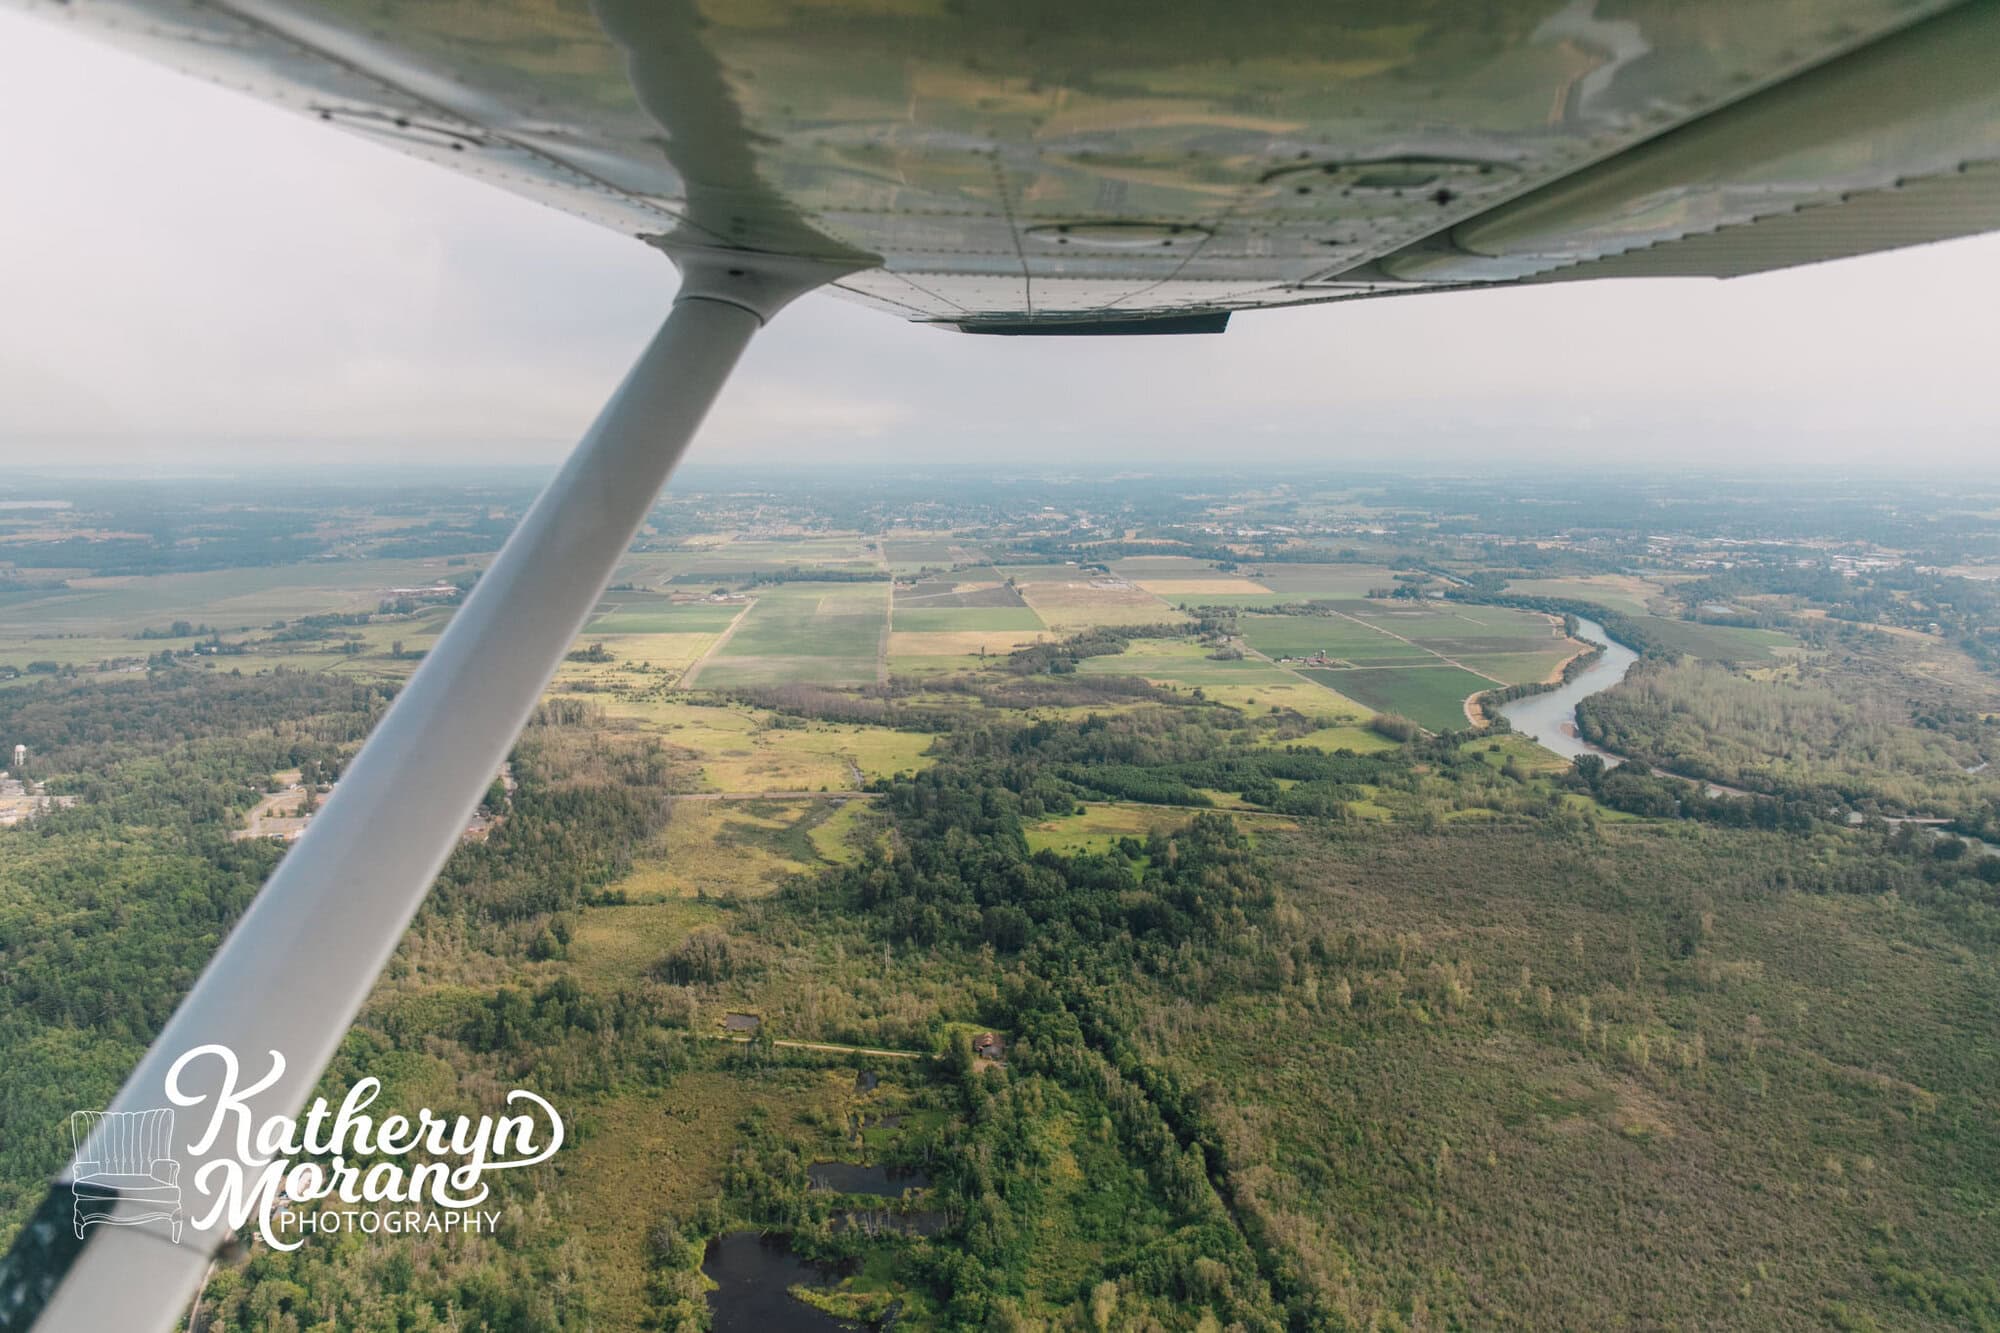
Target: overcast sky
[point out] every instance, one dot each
(188, 276)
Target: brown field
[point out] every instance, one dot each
(1075, 604)
(667, 652)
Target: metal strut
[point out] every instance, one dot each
(297, 967)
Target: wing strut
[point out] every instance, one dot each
(295, 970)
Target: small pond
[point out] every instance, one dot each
(754, 1275)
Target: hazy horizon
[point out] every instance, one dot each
(199, 280)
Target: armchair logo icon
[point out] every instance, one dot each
(124, 1172)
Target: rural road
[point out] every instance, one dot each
(1450, 661)
(687, 681)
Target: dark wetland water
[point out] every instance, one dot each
(754, 1275)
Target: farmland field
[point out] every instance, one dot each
(1244, 683)
(1514, 645)
(918, 652)
(637, 652)
(804, 633)
(226, 598)
(1432, 696)
(1303, 583)
(1517, 668)
(1205, 591)
(653, 613)
(1443, 654)
(1199, 582)
(1078, 603)
(941, 594)
(1619, 592)
(939, 552)
(1032, 573)
(1336, 636)
(951, 620)
(1457, 624)
(957, 595)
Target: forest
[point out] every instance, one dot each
(1817, 734)
(1297, 1070)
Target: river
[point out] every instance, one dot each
(1550, 718)
(1550, 721)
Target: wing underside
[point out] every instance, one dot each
(1040, 163)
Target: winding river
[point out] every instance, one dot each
(1550, 719)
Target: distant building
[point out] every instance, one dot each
(20, 757)
(989, 1046)
(745, 1023)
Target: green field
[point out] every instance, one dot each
(652, 613)
(942, 594)
(229, 599)
(908, 553)
(714, 560)
(813, 620)
(1313, 582)
(1619, 592)
(805, 633)
(1336, 636)
(1247, 682)
(1166, 567)
(1287, 583)
(1452, 628)
(1506, 645)
(953, 619)
(1516, 668)
(1433, 696)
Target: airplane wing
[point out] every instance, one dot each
(1117, 166)
(1041, 166)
